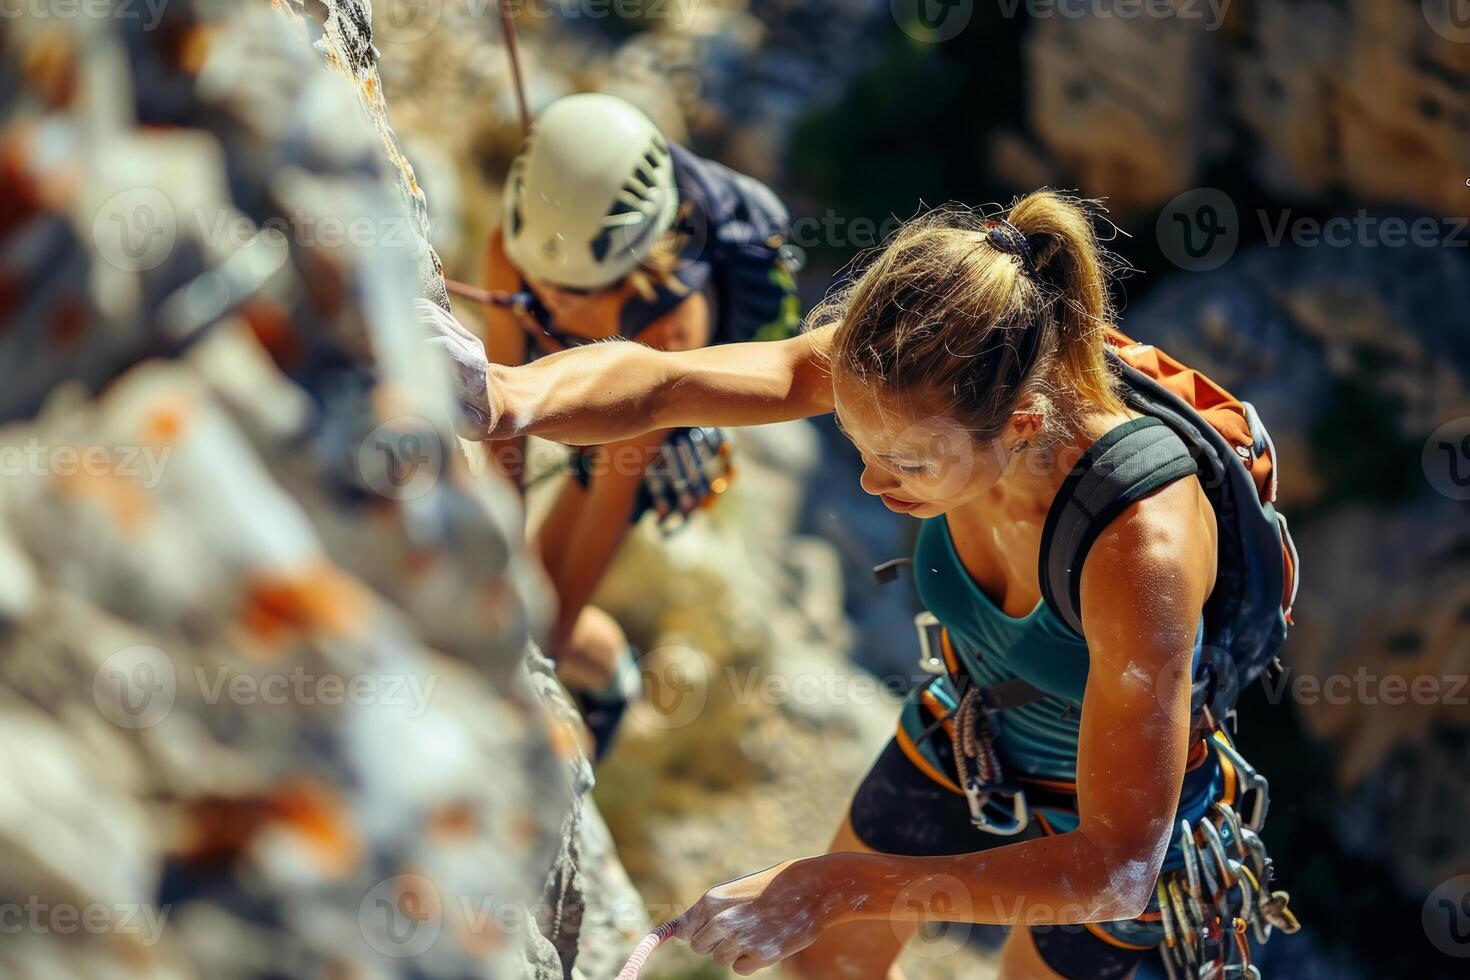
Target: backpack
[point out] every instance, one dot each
(1190, 424)
(741, 229)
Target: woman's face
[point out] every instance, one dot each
(916, 462)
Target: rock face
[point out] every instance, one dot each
(263, 637)
(1364, 96)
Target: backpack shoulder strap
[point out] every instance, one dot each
(1124, 466)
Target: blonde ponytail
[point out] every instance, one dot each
(985, 312)
(1069, 258)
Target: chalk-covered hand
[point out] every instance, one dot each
(466, 353)
(752, 922)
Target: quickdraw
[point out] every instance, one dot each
(1213, 905)
(692, 470)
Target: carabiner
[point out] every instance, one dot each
(1251, 781)
(980, 795)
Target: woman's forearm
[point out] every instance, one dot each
(1047, 881)
(587, 396)
(609, 392)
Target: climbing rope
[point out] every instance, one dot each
(644, 950)
(509, 26)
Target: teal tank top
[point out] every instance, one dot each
(1037, 739)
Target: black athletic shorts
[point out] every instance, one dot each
(899, 810)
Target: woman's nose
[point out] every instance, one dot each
(876, 481)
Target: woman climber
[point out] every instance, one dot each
(1065, 774)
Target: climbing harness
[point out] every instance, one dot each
(996, 807)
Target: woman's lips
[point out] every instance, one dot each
(894, 504)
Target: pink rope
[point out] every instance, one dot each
(645, 949)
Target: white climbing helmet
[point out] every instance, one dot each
(590, 192)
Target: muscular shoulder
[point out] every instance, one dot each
(1155, 564)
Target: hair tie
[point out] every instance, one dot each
(1006, 237)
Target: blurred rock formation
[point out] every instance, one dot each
(1363, 97)
(263, 637)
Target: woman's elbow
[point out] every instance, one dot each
(1128, 872)
(1130, 887)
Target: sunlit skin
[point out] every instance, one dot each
(849, 912)
(592, 314)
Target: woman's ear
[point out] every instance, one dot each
(1025, 426)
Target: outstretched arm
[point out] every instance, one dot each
(613, 391)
